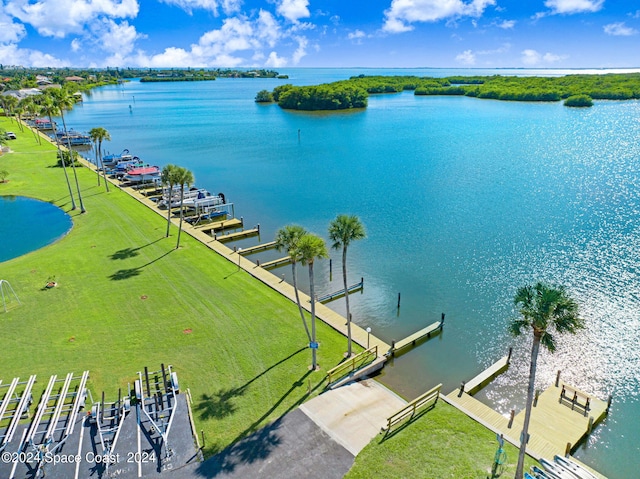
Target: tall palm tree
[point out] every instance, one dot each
(168, 177)
(33, 109)
(287, 238)
(342, 231)
(9, 102)
(183, 178)
(50, 108)
(64, 101)
(311, 247)
(543, 309)
(98, 135)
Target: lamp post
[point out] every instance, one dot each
(368, 336)
(239, 256)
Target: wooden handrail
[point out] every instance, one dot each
(411, 408)
(350, 365)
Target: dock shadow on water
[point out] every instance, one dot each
(131, 272)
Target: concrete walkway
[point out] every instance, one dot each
(320, 439)
(353, 414)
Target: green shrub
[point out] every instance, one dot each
(580, 101)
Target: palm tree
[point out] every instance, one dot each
(168, 178)
(64, 101)
(49, 107)
(183, 178)
(33, 109)
(342, 231)
(9, 102)
(287, 238)
(311, 247)
(98, 135)
(542, 308)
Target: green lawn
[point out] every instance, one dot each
(127, 299)
(442, 443)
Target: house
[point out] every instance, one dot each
(74, 78)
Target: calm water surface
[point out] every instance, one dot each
(464, 200)
(28, 225)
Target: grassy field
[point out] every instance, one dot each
(127, 299)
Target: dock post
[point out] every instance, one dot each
(398, 300)
(535, 399)
(461, 389)
(590, 425)
(512, 415)
(258, 228)
(441, 321)
(558, 378)
(393, 347)
(567, 450)
(609, 403)
(330, 269)
(509, 356)
(202, 433)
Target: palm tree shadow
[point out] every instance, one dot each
(131, 272)
(131, 252)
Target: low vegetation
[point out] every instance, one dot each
(353, 93)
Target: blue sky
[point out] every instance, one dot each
(321, 33)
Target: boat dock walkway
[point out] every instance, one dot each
(275, 263)
(232, 223)
(258, 248)
(236, 235)
(417, 336)
(485, 377)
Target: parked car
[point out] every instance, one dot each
(10, 135)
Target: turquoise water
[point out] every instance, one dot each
(464, 200)
(28, 225)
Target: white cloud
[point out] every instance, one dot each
(356, 36)
(268, 28)
(76, 45)
(10, 54)
(466, 58)
(228, 6)
(533, 58)
(293, 10)
(402, 13)
(10, 32)
(117, 37)
(574, 6)
(619, 29)
(507, 24)
(301, 51)
(274, 61)
(58, 18)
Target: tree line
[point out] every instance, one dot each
(575, 90)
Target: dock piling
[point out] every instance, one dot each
(461, 389)
(609, 403)
(535, 399)
(558, 378)
(512, 415)
(398, 300)
(567, 450)
(509, 356)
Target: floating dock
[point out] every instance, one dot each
(229, 224)
(417, 336)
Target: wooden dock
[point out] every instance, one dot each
(415, 337)
(258, 248)
(339, 294)
(485, 377)
(234, 236)
(229, 224)
(276, 263)
(554, 427)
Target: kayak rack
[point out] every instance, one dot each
(15, 403)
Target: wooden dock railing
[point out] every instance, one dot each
(430, 398)
(352, 364)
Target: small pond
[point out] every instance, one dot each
(27, 225)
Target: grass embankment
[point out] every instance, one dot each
(443, 443)
(127, 299)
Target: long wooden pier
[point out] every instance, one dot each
(415, 337)
(339, 294)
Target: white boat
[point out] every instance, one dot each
(172, 199)
(143, 174)
(574, 467)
